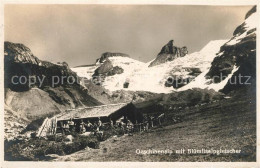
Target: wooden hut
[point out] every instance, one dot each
(92, 114)
(104, 112)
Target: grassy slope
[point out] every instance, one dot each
(227, 124)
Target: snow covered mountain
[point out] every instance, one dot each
(171, 71)
(235, 64)
(140, 77)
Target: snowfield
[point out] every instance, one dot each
(143, 78)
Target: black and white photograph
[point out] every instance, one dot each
(130, 83)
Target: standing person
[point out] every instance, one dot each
(65, 127)
(159, 121)
(99, 123)
(71, 125)
(111, 123)
(125, 120)
(150, 121)
(81, 127)
(129, 127)
(137, 126)
(89, 126)
(95, 127)
(126, 123)
(160, 118)
(121, 125)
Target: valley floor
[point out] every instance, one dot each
(227, 124)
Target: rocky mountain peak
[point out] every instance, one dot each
(250, 12)
(20, 61)
(168, 48)
(106, 55)
(169, 52)
(19, 53)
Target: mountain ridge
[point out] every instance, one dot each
(141, 77)
(20, 62)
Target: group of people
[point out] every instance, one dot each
(149, 121)
(81, 126)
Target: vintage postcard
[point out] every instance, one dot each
(148, 84)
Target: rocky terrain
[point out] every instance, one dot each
(240, 52)
(107, 69)
(234, 66)
(33, 99)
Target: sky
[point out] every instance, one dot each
(79, 34)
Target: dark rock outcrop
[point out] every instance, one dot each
(253, 10)
(45, 98)
(115, 70)
(19, 61)
(169, 52)
(178, 81)
(104, 70)
(241, 54)
(107, 69)
(106, 55)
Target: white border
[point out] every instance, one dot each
(8, 164)
(138, 2)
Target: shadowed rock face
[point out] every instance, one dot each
(36, 101)
(106, 55)
(253, 10)
(19, 61)
(180, 81)
(107, 69)
(241, 54)
(115, 70)
(104, 68)
(169, 52)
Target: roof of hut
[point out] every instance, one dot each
(91, 112)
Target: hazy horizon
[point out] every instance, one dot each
(79, 34)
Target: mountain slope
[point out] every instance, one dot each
(45, 98)
(235, 64)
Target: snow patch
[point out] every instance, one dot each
(203, 83)
(250, 23)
